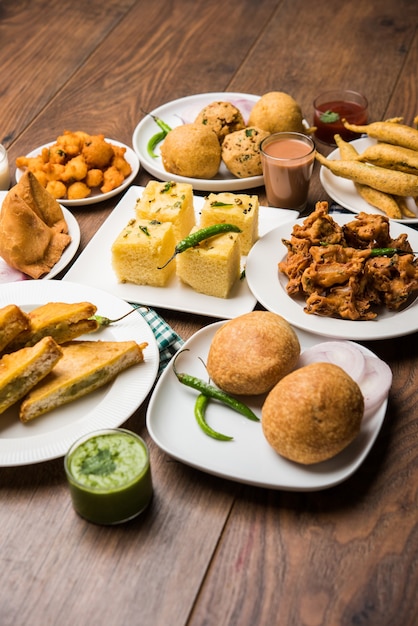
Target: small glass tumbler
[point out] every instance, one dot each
(4, 169)
(109, 476)
(332, 107)
(287, 159)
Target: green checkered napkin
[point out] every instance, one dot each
(169, 342)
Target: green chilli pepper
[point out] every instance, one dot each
(378, 251)
(106, 321)
(388, 251)
(200, 235)
(214, 392)
(158, 137)
(200, 406)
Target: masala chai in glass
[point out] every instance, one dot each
(288, 160)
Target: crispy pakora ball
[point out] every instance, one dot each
(71, 143)
(222, 117)
(94, 178)
(276, 112)
(75, 169)
(78, 191)
(313, 413)
(97, 152)
(241, 152)
(191, 150)
(56, 188)
(112, 178)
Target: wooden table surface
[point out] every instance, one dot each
(210, 551)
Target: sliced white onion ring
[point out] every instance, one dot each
(373, 375)
(375, 384)
(342, 353)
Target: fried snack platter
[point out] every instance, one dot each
(9, 274)
(248, 458)
(96, 196)
(269, 287)
(184, 110)
(49, 436)
(94, 267)
(344, 192)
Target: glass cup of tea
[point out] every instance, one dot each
(4, 169)
(287, 159)
(332, 107)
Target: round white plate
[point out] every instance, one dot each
(269, 287)
(9, 274)
(343, 191)
(97, 196)
(182, 111)
(248, 458)
(50, 435)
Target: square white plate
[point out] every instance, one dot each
(94, 267)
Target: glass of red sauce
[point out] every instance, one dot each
(331, 108)
(287, 159)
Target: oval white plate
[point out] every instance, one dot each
(50, 435)
(248, 458)
(269, 287)
(185, 110)
(96, 197)
(8, 274)
(343, 191)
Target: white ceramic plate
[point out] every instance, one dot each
(94, 267)
(9, 274)
(248, 458)
(50, 435)
(269, 287)
(343, 191)
(97, 196)
(185, 110)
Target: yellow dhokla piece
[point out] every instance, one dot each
(140, 249)
(168, 202)
(230, 208)
(213, 266)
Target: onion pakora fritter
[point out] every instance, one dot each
(76, 164)
(349, 271)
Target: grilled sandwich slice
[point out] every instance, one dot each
(60, 320)
(85, 366)
(22, 370)
(13, 321)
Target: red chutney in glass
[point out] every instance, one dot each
(351, 111)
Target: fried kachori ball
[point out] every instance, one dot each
(313, 413)
(276, 112)
(97, 152)
(222, 117)
(249, 354)
(241, 152)
(191, 150)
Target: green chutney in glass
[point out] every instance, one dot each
(109, 476)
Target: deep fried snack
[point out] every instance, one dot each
(334, 269)
(76, 164)
(276, 112)
(222, 117)
(191, 150)
(241, 152)
(97, 152)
